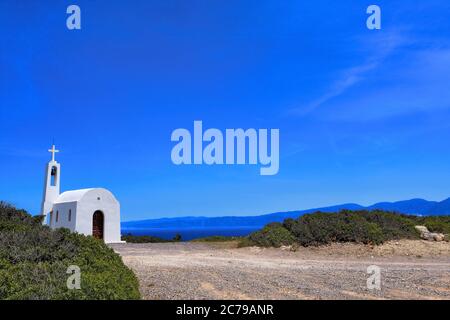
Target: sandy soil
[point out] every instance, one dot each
(409, 270)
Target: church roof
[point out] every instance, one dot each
(73, 195)
(78, 195)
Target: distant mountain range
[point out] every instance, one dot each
(413, 206)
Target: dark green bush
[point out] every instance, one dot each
(142, 239)
(369, 227)
(149, 239)
(177, 238)
(272, 235)
(323, 228)
(34, 261)
(395, 226)
(439, 224)
(216, 239)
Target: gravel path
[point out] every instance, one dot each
(409, 270)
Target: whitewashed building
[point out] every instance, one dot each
(94, 212)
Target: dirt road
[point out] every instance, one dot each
(409, 270)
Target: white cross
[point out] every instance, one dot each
(53, 151)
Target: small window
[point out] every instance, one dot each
(57, 216)
(70, 215)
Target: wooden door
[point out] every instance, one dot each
(98, 225)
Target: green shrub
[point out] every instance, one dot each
(142, 239)
(149, 239)
(216, 239)
(272, 235)
(368, 227)
(439, 224)
(324, 228)
(395, 226)
(34, 261)
(177, 238)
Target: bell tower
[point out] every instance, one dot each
(51, 184)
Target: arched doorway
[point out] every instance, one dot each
(98, 224)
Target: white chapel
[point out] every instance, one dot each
(93, 212)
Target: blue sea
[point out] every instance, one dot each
(191, 233)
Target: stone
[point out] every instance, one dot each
(430, 236)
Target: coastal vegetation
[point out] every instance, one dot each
(319, 228)
(439, 224)
(149, 239)
(217, 239)
(362, 226)
(37, 262)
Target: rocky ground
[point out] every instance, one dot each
(410, 269)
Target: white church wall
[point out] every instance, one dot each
(99, 200)
(64, 211)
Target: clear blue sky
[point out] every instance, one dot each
(364, 116)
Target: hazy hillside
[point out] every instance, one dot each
(442, 207)
(413, 206)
